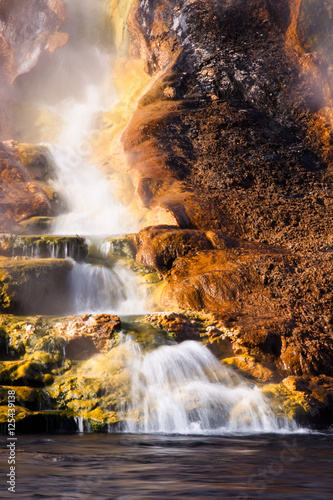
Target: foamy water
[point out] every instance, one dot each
(88, 194)
(183, 389)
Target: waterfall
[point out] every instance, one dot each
(49, 247)
(86, 190)
(92, 209)
(183, 389)
(99, 289)
(73, 89)
(61, 103)
(173, 388)
(88, 193)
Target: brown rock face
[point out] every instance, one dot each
(234, 138)
(28, 28)
(160, 246)
(22, 192)
(88, 334)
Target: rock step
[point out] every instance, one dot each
(41, 247)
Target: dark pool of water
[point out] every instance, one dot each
(127, 467)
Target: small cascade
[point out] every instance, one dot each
(106, 287)
(183, 389)
(79, 424)
(49, 247)
(101, 289)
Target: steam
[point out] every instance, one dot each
(51, 93)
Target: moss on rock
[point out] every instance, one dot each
(47, 246)
(249, 367)
(28, 397)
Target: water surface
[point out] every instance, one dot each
(128, 467)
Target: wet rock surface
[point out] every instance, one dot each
(60, 247)
(89, 334)
(41, 357)
(34, 286)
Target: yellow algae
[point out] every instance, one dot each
(119, 11)
(286, 399)
(20, 413)
(248, 365)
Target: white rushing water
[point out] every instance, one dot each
(69, 93)
(92, 209)
(100, 289)
(183, 389)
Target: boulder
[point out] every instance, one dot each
(23, 192)
(88, 334)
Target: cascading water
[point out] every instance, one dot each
(99, 289)
(79, 90)
(84, 66)
(89, 197)
(41, 247)
(183, 389)
(92, 209)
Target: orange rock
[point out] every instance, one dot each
(21, 197)
(160, 246)
(88, 334)
(178, 325)
(234, 135)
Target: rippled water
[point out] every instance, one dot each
(128, 467)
